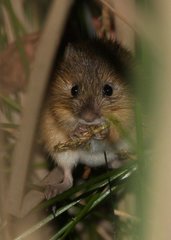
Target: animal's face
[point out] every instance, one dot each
(88, 90)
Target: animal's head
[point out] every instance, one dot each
(92, 84)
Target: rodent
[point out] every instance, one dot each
(91, 84)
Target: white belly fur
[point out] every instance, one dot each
(92, 157)
(95, 155)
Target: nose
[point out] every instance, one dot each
(90, 112)
(89, 116)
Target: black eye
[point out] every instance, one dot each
(75, 90)
(107, 90)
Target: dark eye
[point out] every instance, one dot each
(75, 90)
(107, 90)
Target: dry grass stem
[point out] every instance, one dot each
(118, 14)
(19, 11)
(125, 33)
(107, 20)
(159, 208)
(7, 25)
(81, 141)
(37, 86)
(125, 215)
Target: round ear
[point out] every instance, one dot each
(69, 51)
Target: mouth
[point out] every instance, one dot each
(97, 121)
(97, 130)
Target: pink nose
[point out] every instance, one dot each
(89, 116)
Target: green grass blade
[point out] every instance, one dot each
(18, 31)
(118, 174)
(46, 220)
(11, 103)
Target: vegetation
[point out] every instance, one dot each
(110, 204)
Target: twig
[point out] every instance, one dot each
(106, 21)
(125, 215)
(143, 24)
(119, 15)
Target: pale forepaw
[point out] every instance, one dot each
(79, 131)
(54, 190)
(116, 163)
(102, 134)
(51, 191)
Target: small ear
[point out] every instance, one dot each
(69, 51)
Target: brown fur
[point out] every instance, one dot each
(89, 65)
(91, 72)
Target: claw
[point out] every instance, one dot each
(54, 209)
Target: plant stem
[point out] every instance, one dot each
(46, 220)
(118, 175)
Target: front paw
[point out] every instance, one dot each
(102, 133)
(115, 164)
(80, 131)
(54, 190)
(51, 191)
(98, 132)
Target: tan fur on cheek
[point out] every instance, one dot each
(50, 133)
(64, 118)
